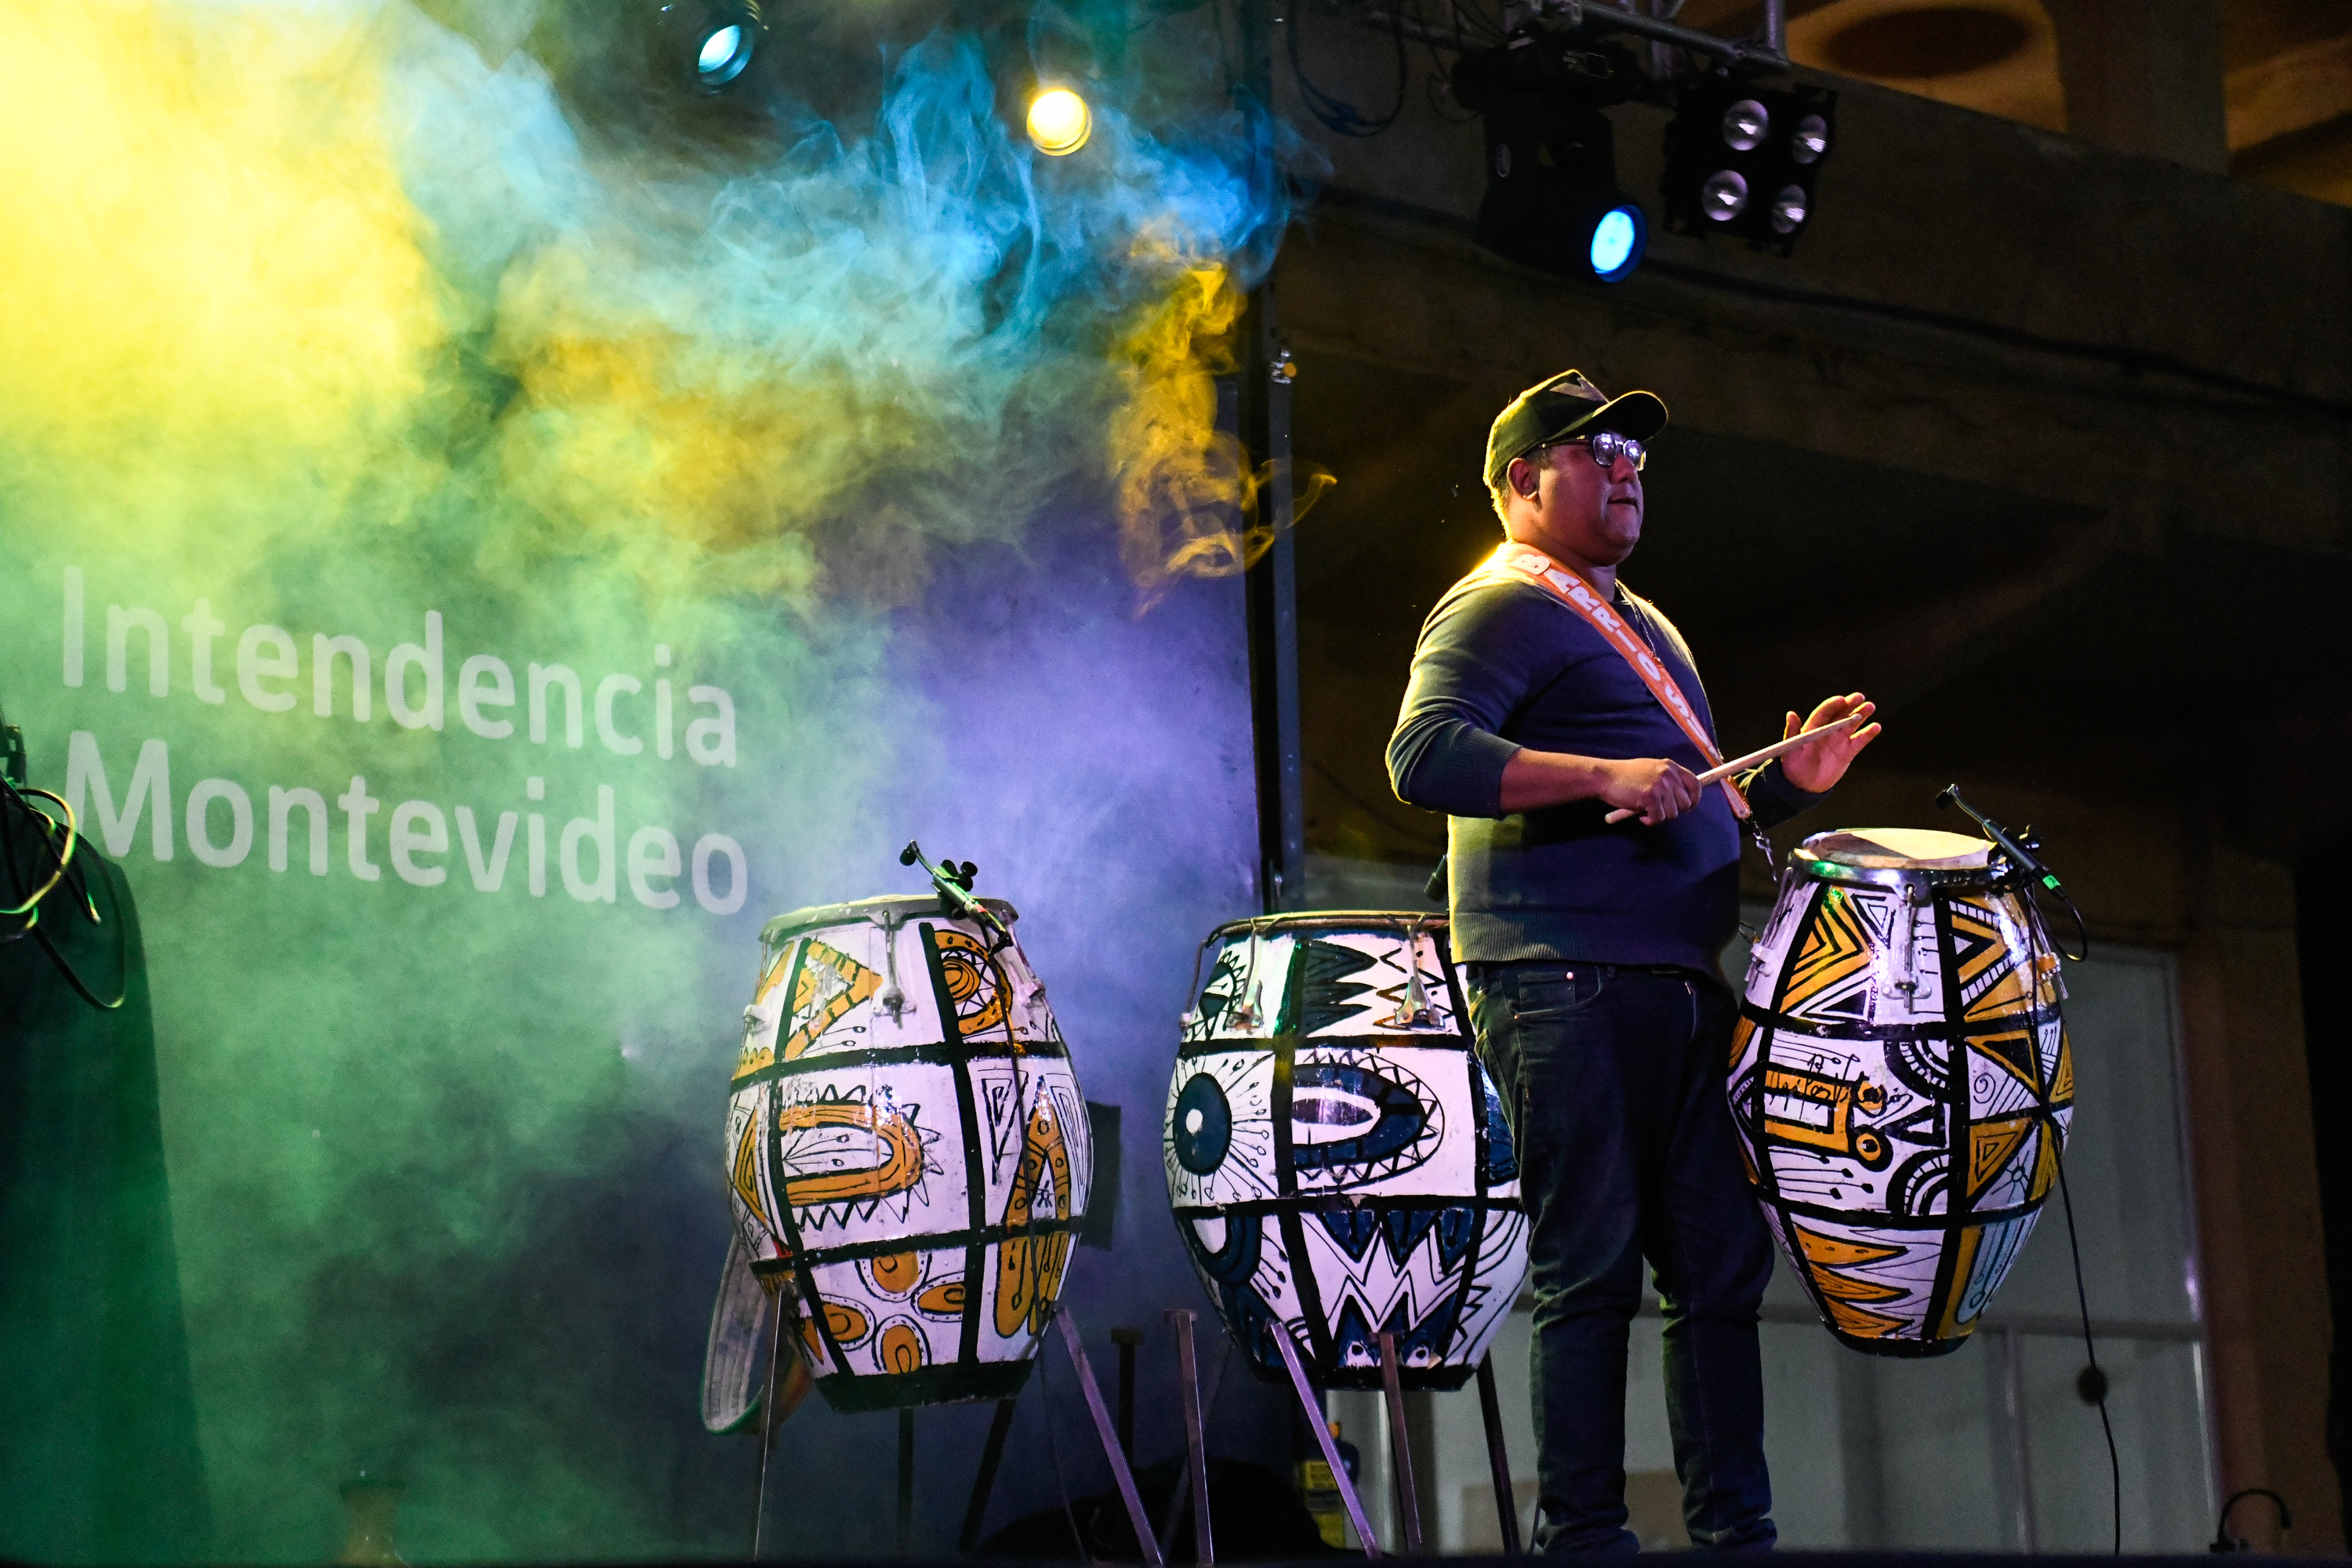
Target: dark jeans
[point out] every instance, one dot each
(1613, 1080)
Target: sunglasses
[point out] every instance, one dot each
(1607, 447)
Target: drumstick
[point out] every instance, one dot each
(1763, 754)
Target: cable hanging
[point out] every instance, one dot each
(2092, 1384)
(52, 841)
(1336, 114)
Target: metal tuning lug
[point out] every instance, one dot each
(893, 998)
(1413, 1012)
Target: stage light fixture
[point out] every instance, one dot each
(713, 40)
(1059, 122)
(1552, 199)
(1741, 160)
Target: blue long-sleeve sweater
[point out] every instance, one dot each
(1503, 665)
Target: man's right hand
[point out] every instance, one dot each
(1658, 788)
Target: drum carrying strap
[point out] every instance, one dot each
(1526, 563)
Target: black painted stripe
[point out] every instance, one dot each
(938, 1241)
(892, 1055)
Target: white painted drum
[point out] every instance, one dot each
(907, 1151)
(1901, 1081)
(1337, 1157)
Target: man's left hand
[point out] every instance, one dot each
(1816, 768)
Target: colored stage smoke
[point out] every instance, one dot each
(347, 355)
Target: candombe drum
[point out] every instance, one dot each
(1337, 1157)
(907, 1155)
(1901, 1080)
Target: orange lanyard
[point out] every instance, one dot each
(1526, 563)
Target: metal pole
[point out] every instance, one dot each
(1400, 1447)
(991, 1457)
(1498, 1462)
(907, 1482)
(1196, 1437)
(2012, 1367)
(1605, 18)
(1340, 1477)
(1145, 1541)
(1271, 586)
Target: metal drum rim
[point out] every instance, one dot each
(1973, 877)
(1318, 920)
(907, 906)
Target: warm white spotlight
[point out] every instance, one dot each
(1811, 139)
(1744, 125)
(1724, 196)
(1789, 210)
(1059, 122)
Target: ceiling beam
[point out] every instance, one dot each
(2289, 93)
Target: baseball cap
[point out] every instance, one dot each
(1566, 404)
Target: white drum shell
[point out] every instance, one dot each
(917, 1172)
(1362, 1178)
(1900, 1191)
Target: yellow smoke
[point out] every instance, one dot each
(224, 319)
(1186, 493)
(214, 289)
(1187, 496)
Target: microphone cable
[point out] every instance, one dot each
(2093, 1379)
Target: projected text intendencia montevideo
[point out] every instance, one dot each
(116, 784)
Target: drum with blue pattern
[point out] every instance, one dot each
(1337, 1157)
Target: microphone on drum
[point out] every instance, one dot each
(2019, 849)
(954, 883)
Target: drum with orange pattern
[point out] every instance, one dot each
(907, 1151)
(1901, 1080)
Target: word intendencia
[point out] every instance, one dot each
(267, 669)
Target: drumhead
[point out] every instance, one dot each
(905, 906)
(1898, 849)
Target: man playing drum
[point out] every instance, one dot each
(1543, 694)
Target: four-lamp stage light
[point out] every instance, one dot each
(1742, 160)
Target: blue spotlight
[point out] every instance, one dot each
(1552, 199)
(1617, 243)
(712, 41)
(724, 55)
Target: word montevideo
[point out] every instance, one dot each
(417, 832)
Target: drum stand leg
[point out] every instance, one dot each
(907, 1482)
(999, 1430)
(767, 1414)
(1507, 1502)
(1128, 1340)
(1400, 1447)
(1196, 1440)
(1340, 1477)
(1104, 1429)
